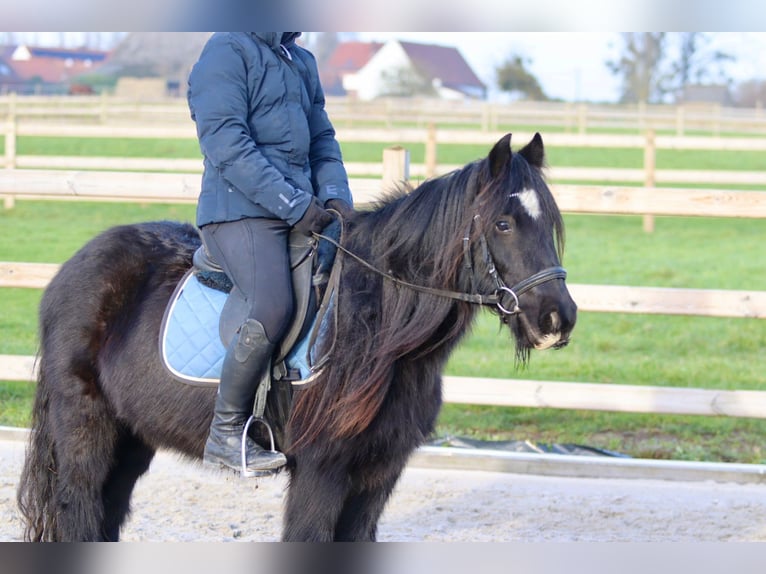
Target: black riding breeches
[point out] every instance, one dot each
(255, 255)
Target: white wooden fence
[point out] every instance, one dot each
(62, 180)
(431, 137)
(604, 298)
(397, 112)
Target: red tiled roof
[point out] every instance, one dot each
(352, 55)
(48, 70)
(347, 57)
(432, 61)
(53, 65)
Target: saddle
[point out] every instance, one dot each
(205, 311)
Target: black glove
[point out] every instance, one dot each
(314, 220)
(345, 210)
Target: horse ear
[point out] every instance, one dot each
(534, 152)
(500, 155)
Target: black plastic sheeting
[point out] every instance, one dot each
(525, 446)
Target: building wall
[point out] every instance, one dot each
(369, 82)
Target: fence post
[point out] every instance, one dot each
(641, 113)
(680, 118)
(717, 120)
(650, 163)
(431, 151)
(485, 116)
(582, 115)
(396, 167)
(10, 150)
(102, 114)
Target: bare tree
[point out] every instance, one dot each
(513, 76)
(640, 67)
(322, 45)
(698, 62)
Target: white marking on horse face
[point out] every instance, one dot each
(547, 341)
(530, 202)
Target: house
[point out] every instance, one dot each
(29, 69)
(706, 94)
(8, 77)
(347, 58)
(407, 69)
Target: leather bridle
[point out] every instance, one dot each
(504, 298)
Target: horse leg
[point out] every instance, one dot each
(132, 459)
(358, 520)
(314, 502)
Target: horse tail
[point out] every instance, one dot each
(37, 484)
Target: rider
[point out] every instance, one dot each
(271, 164)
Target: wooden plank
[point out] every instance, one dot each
(109, 163)
(31, 275)
(162, 187)
(604, 397)
(133, 186)
(595, 298)
(187, 131)
(425, 111)
(687, 176)
(547, 394)
(711, 143)
(17, 368)
(554, 174)
(659, 201)
(670, 301)
(128, 186)
(711, 177)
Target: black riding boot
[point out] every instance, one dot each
(246, 362)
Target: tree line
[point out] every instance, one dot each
(652, 67)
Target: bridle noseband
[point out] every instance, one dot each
(504, 298)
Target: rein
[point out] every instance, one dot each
(505, 298)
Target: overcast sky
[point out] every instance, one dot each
(571, 65)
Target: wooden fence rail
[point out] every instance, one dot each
(184, 188)
(547, 394)
(598, 298)
(430, 137)
(487, 116)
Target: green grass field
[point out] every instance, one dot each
(609, 348)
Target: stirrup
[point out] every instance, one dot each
(245, 472)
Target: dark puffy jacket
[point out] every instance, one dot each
(267, 142)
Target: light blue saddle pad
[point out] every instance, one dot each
(190, 344)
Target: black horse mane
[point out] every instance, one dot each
(415, 235)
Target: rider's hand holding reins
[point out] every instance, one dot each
(314, 220)
(343, 208)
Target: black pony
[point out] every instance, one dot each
(105, 404)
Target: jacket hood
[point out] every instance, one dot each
(274, 39)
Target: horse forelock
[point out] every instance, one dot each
(522, 187)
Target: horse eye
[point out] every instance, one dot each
(503, 226)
